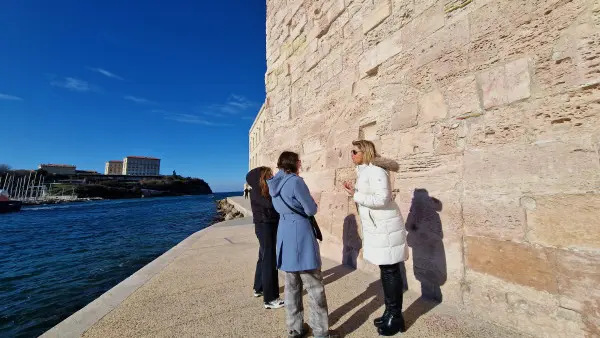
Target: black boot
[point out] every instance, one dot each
(379, 321)
(391, 279)
(392, 326)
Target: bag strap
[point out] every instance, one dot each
(293, 209)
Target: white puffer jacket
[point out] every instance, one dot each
(384, 234)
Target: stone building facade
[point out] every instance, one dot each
(492, 109)
(114, 167)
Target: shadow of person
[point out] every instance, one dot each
(373, 294)
(352, 241)
(425, 237)
(336, 273)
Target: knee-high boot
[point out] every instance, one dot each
(392, 289)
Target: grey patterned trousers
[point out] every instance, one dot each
(318, 318)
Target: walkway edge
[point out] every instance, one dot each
(79, 322)
(239, 207)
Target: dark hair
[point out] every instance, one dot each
(288, 161)
(265, 174)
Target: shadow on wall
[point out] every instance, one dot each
(425, 235)
(352, 242)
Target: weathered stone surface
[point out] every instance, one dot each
(405, 116)
(537, 313)
(319, 181)
(544, 166)
(413, 143)
(517, 263)
(450, 137)
(565, 220)
(518, 80)
(376, 16)
(578, 279)
(491, 108)
(343, 175)
(425, 24)
(462, 97)
(494, 216)
(380, 53)
(336, 206)
(505, 84)
(432, 107)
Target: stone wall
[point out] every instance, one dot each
(492, 109)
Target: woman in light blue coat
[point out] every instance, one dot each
(298, 251)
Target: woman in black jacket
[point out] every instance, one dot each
(266, 219)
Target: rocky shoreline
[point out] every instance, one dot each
(226, 211)
(62, 201)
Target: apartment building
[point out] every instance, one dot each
(113, 168)
(141, 166)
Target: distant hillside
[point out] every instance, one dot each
(167, 186)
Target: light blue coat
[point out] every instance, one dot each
(297, 247)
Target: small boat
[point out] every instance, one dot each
(10, 206)
(6, 205)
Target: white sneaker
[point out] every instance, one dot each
(276, 304)
(257, 293)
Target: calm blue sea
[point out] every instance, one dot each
(56, 259)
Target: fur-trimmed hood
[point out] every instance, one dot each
(386, 163)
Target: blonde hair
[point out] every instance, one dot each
(368, 150)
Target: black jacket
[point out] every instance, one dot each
(262, 208)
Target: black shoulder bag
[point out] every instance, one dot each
(311, 219)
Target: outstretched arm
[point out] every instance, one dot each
(380, 187)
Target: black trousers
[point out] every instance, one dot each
(393, 288)
(265, 277)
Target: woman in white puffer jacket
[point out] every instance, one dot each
(384, 234)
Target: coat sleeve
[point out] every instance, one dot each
(380, 187)
(303, 196)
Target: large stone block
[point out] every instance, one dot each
(505, 84)
(462, 97)
(549, 167)
(377, 16)
(521, 307)
(450, 137)
(319, 181)
(422, 5)
(314, 162)
(517, 263)
(565, 220)
(578, 279)
(378, 54)
(435, 165)
(336, 206)
(446, 40)
(494, 216)
(404, 116)
(431, 20)
(432, 107)
(344, 175)
(415, 142)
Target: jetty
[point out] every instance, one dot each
(203, 288)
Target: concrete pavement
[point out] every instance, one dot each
(203, 288)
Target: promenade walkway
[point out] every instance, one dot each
(203, 288)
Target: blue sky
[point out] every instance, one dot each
(83, 82)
